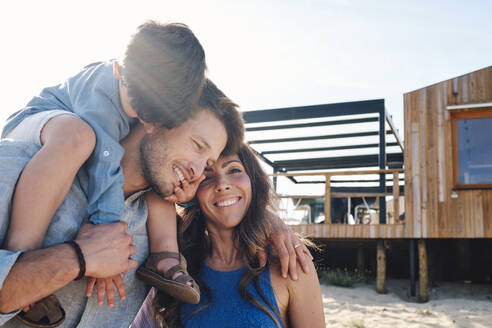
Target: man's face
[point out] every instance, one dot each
(182, 153)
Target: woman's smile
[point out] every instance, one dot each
(228, 202)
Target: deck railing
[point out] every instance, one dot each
(328, 194)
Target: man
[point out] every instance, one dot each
(106, 248)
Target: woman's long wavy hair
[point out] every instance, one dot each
(250, 236)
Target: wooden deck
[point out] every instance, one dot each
(391, 230)
(347, 231)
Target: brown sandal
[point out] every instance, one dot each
(46, 313)
(176, 288)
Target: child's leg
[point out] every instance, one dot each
(67, 141)
(162, 230)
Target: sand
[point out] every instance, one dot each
(450, 305)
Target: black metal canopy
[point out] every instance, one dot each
(267, 124)
(349, 135)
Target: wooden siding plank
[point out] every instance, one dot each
(487, 213)
(407, 152)
(477, 217)
(423, 164)
(431, 229)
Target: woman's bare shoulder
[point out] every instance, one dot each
(302, 277)
(300, 297)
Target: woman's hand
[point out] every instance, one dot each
(105, 286)
(287, 247)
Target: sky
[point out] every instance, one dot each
(263, 54)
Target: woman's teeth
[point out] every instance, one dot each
(179, 174)
(227, 202)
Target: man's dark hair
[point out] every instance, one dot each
(226, 111)
(164, 71)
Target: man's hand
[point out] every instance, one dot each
(185, 192)
(105, 286)
(288, 247)
(107, 249)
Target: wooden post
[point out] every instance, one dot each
(327, 199)
(381, 275)
(396, 198)
(423, 272)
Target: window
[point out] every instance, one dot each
(472, 148)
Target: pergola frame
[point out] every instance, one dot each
(301, 163)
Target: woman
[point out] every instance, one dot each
(227, 228)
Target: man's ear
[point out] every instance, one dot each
(148, 127)
(116, 70)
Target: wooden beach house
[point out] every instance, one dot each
(437, 184)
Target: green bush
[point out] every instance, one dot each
(341, 278)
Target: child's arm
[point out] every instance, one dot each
(161, 224)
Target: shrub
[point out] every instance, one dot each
(341, 278)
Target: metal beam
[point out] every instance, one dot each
(303, 150)
(315, 111)
(310, 125)
(348, 181)
(274, 166)
(330, 136)
(335, 162)
(382, 163)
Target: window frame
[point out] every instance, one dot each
(470, 113)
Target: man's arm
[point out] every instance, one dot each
(39, 273)
(288, 248)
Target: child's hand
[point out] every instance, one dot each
(105, 285)
(186, 192)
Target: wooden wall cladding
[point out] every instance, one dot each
(432, 208)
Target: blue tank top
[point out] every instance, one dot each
(228, 308)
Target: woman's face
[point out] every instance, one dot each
(225, 194)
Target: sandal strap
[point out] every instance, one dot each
(185, 278)
(154, 258)
(48, 307)
(171, 271)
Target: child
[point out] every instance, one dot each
(82, 121)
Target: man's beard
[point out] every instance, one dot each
(149, 160)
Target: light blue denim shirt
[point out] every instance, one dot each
(80, 311)
(92, 94)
